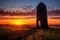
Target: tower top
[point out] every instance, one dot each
(41, 5)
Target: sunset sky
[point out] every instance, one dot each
(19, 5)
(51, 4)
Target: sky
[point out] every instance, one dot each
(51, 4)
(18, 4)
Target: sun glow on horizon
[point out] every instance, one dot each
(17, 22)
(20, 20)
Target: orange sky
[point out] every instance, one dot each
(27, 21)
(17, 21)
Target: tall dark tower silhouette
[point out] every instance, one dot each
(42, 16)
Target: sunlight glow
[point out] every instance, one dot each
(24, 20)
(17, 22)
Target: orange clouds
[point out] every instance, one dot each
(29, 20)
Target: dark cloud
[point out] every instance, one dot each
(54, 13)
(32, 12)
(20, 13)
(55, 18)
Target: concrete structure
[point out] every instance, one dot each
(42, 16)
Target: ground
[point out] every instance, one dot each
(33, 34)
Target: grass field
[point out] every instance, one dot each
(44, 34)
(33, 34)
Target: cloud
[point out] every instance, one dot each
(54, 13)
(23, 11)
(17, 17)
(56, 17)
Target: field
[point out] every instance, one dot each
(45, 34)
(32, 34)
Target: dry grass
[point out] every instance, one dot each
(38, 34)
(43, 34)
